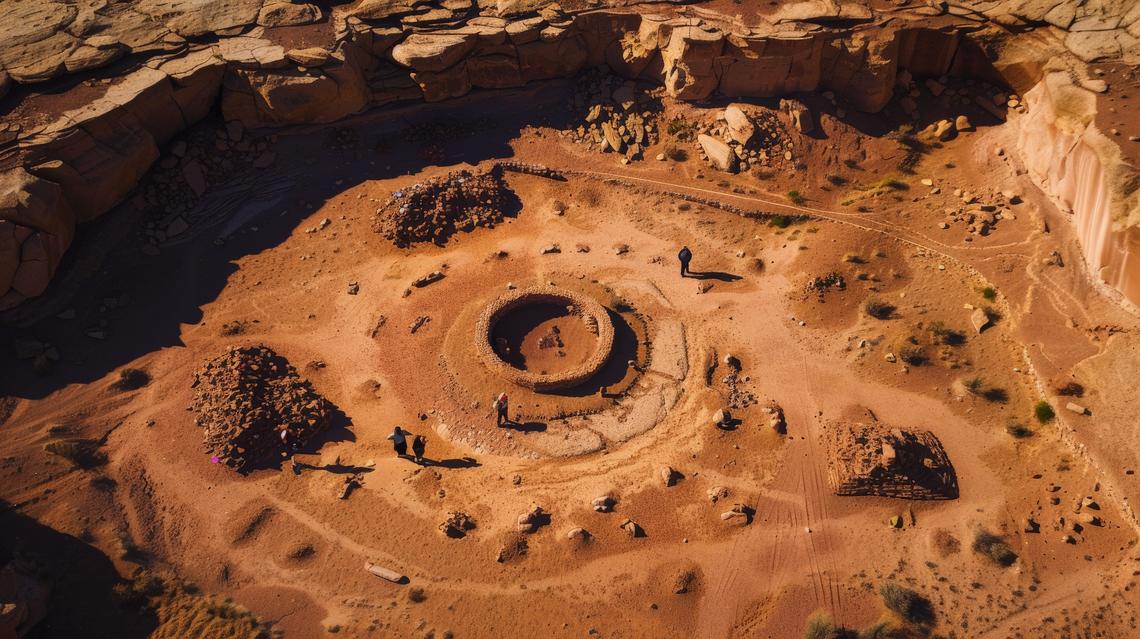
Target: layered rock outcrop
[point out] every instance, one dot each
(184, 54)
(1081, 168)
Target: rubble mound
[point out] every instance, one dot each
(434, 210)
(870, 459)
(244, 396)
(619, 116)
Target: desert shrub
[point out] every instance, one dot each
(851, 258)
(879, 309)
(680, 128)
(591, 196)
(837, 180)
(943, 334)
(780, 221)
(989, 293)
(975, 385)
(820, 626)
(907, 604)
(912, 355)
(1018, 430)
(82, 453)
(796, 197)
(996, 395)
(1072, 389)
(1044, 412)
(676, 153)
(417, 595)
(994, 547)
(132, 379)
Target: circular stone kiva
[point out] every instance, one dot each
(544, 338)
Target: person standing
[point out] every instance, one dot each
(399, 441)
(685, 256)
(500, 405)
(289, 443)
(418, 446)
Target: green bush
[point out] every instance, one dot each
(796, 197)
(1044, 412)
(132, 379)
(989, 293)
(780, 221)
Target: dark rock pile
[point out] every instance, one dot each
(872, 459)
(244, 396)
(434, 210)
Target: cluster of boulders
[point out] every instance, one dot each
(457, 524)
(434, 210)
(980, 215)
(873, 459)
(1086, 513)
(244, 397)
(954, 94)
(745, 136)
(618, 117)
(203, 158)
(821, 284)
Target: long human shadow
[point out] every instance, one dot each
(719, 276)
(157, 296)
(82, 580)
(525, 427)
(456, 463)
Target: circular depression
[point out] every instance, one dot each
(544, 338)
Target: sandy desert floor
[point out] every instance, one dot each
(278, 270)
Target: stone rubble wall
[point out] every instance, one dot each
(86, 161)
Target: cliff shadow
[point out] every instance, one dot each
(82, 601)
(112, 302)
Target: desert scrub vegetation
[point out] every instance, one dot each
(910, 606)
(1043, 412)
(182, 610)
(912, 355)
(989, 293)
(879, 309)
(780, 221)
(994, 547)
(795, 197)
(132, 379)
(1017, 430)
(676, 153)
(81, 453)
(942, 334)
(680, 128)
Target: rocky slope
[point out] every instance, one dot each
(76, 140)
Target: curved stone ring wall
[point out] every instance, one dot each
(585, 308)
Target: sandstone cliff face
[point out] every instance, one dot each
(1082, 168)
(384, 51)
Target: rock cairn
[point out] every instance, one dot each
(434, 210)
(619, 116)
(244, 395)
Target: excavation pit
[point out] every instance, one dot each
(545, 338)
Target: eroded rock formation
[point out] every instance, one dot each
(176, 58)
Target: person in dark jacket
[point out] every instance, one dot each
(685, 256)
(418, 446)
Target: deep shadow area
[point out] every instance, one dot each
(616, 368)
(338, 431)
(454, 463)
(82, 602)
(719, 276)
(525, 427)
(158, 294)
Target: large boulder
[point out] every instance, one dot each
(284, 14)
(433, 52)
(720, 154)
(740, 127)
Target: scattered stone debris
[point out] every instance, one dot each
(738, 397)
(603, 504)
(776, 419)
(619, 115)
(515, 547)
(717, 493)
(434, 210)
(243, 396)
(379, 324)
(418, 323)
(632, 528)
(457, 524)
(870, 459)
(684, 581)
(430, 278)
(821, 284)
(533, 519)
(739, 514)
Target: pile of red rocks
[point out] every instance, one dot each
(619, 116)
(434, 210)
(242, 399)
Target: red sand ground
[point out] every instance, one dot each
(284, 545)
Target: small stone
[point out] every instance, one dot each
(553, 248)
